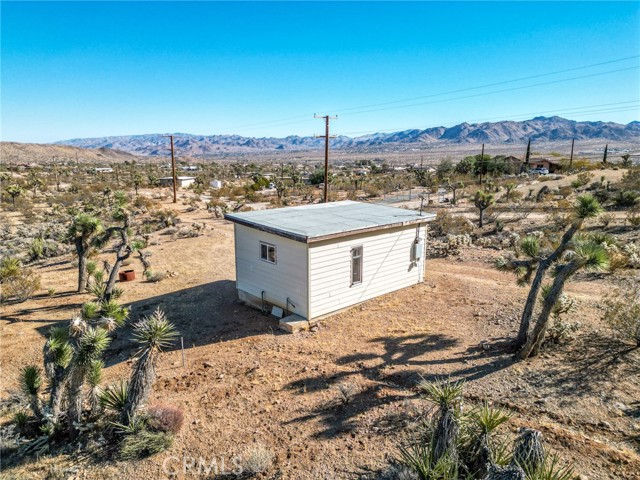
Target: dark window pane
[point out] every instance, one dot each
(272, 254)
(263, 251)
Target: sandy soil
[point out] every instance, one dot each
(245, 382)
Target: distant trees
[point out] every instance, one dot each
(444, 168)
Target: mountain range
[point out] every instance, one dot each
(539, 130)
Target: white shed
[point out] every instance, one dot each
(316, 259)
(183, 182)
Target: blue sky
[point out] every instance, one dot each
(79, 69)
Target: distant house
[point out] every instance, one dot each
(103, 170)
(551, 164)
(183, 182)
(189, 168)
(313, 260)
(215, 184)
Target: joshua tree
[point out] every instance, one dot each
(15, 191)
(454, 187)
(137, 181)
(30, 382)
(83, 233)
(581, 254)
(91, 345)
(483, 200)
(35, 182)
(626, 162)
(509, 187)
(154, 333)
(586, 206)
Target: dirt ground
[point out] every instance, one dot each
(246, 383)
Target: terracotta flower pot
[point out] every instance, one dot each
(127, 275)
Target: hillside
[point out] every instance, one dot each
(539, 130)
(37, 152)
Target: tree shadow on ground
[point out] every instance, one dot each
(592, 361)
(405, 361)
(202, 315)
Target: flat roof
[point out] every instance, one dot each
(312, 223)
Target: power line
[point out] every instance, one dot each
(496, 91)
(290, 120)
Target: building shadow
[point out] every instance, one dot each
(202, 315)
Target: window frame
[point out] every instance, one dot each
(275, 253)
(361, 269)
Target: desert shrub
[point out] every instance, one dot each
(582, 179)
(17, 283)
(256, 459)
(622, 312)
(607, 219)
(559, 221)
(565, 191)
(346, 391)
(631, 179)
(154, 277)
(165, 218)
(626, 198)
(164, 418)
(144, 443)
(447, 224)
(633, 217)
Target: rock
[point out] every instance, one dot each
(208, 364)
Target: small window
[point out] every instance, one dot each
(267, 252)
(356, 265)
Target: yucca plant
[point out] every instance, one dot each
(154, 333)
(30, 383)
(482, 449)
(94, 379)
(550, 469)
(448, 396)
(114, 397)
(90, 310)
(58, 353)
(91, 346)
(529, 451)
(112, 309)
(418, 457)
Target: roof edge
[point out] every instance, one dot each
(305, 239)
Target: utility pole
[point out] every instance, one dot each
(173, 171)
(326, 118)
(573, 141)
(481, 163)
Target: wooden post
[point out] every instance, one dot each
(573, 141)
(175, 179)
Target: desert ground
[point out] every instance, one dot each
(244, 382)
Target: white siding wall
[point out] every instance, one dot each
(387, 266)
(287, 278)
